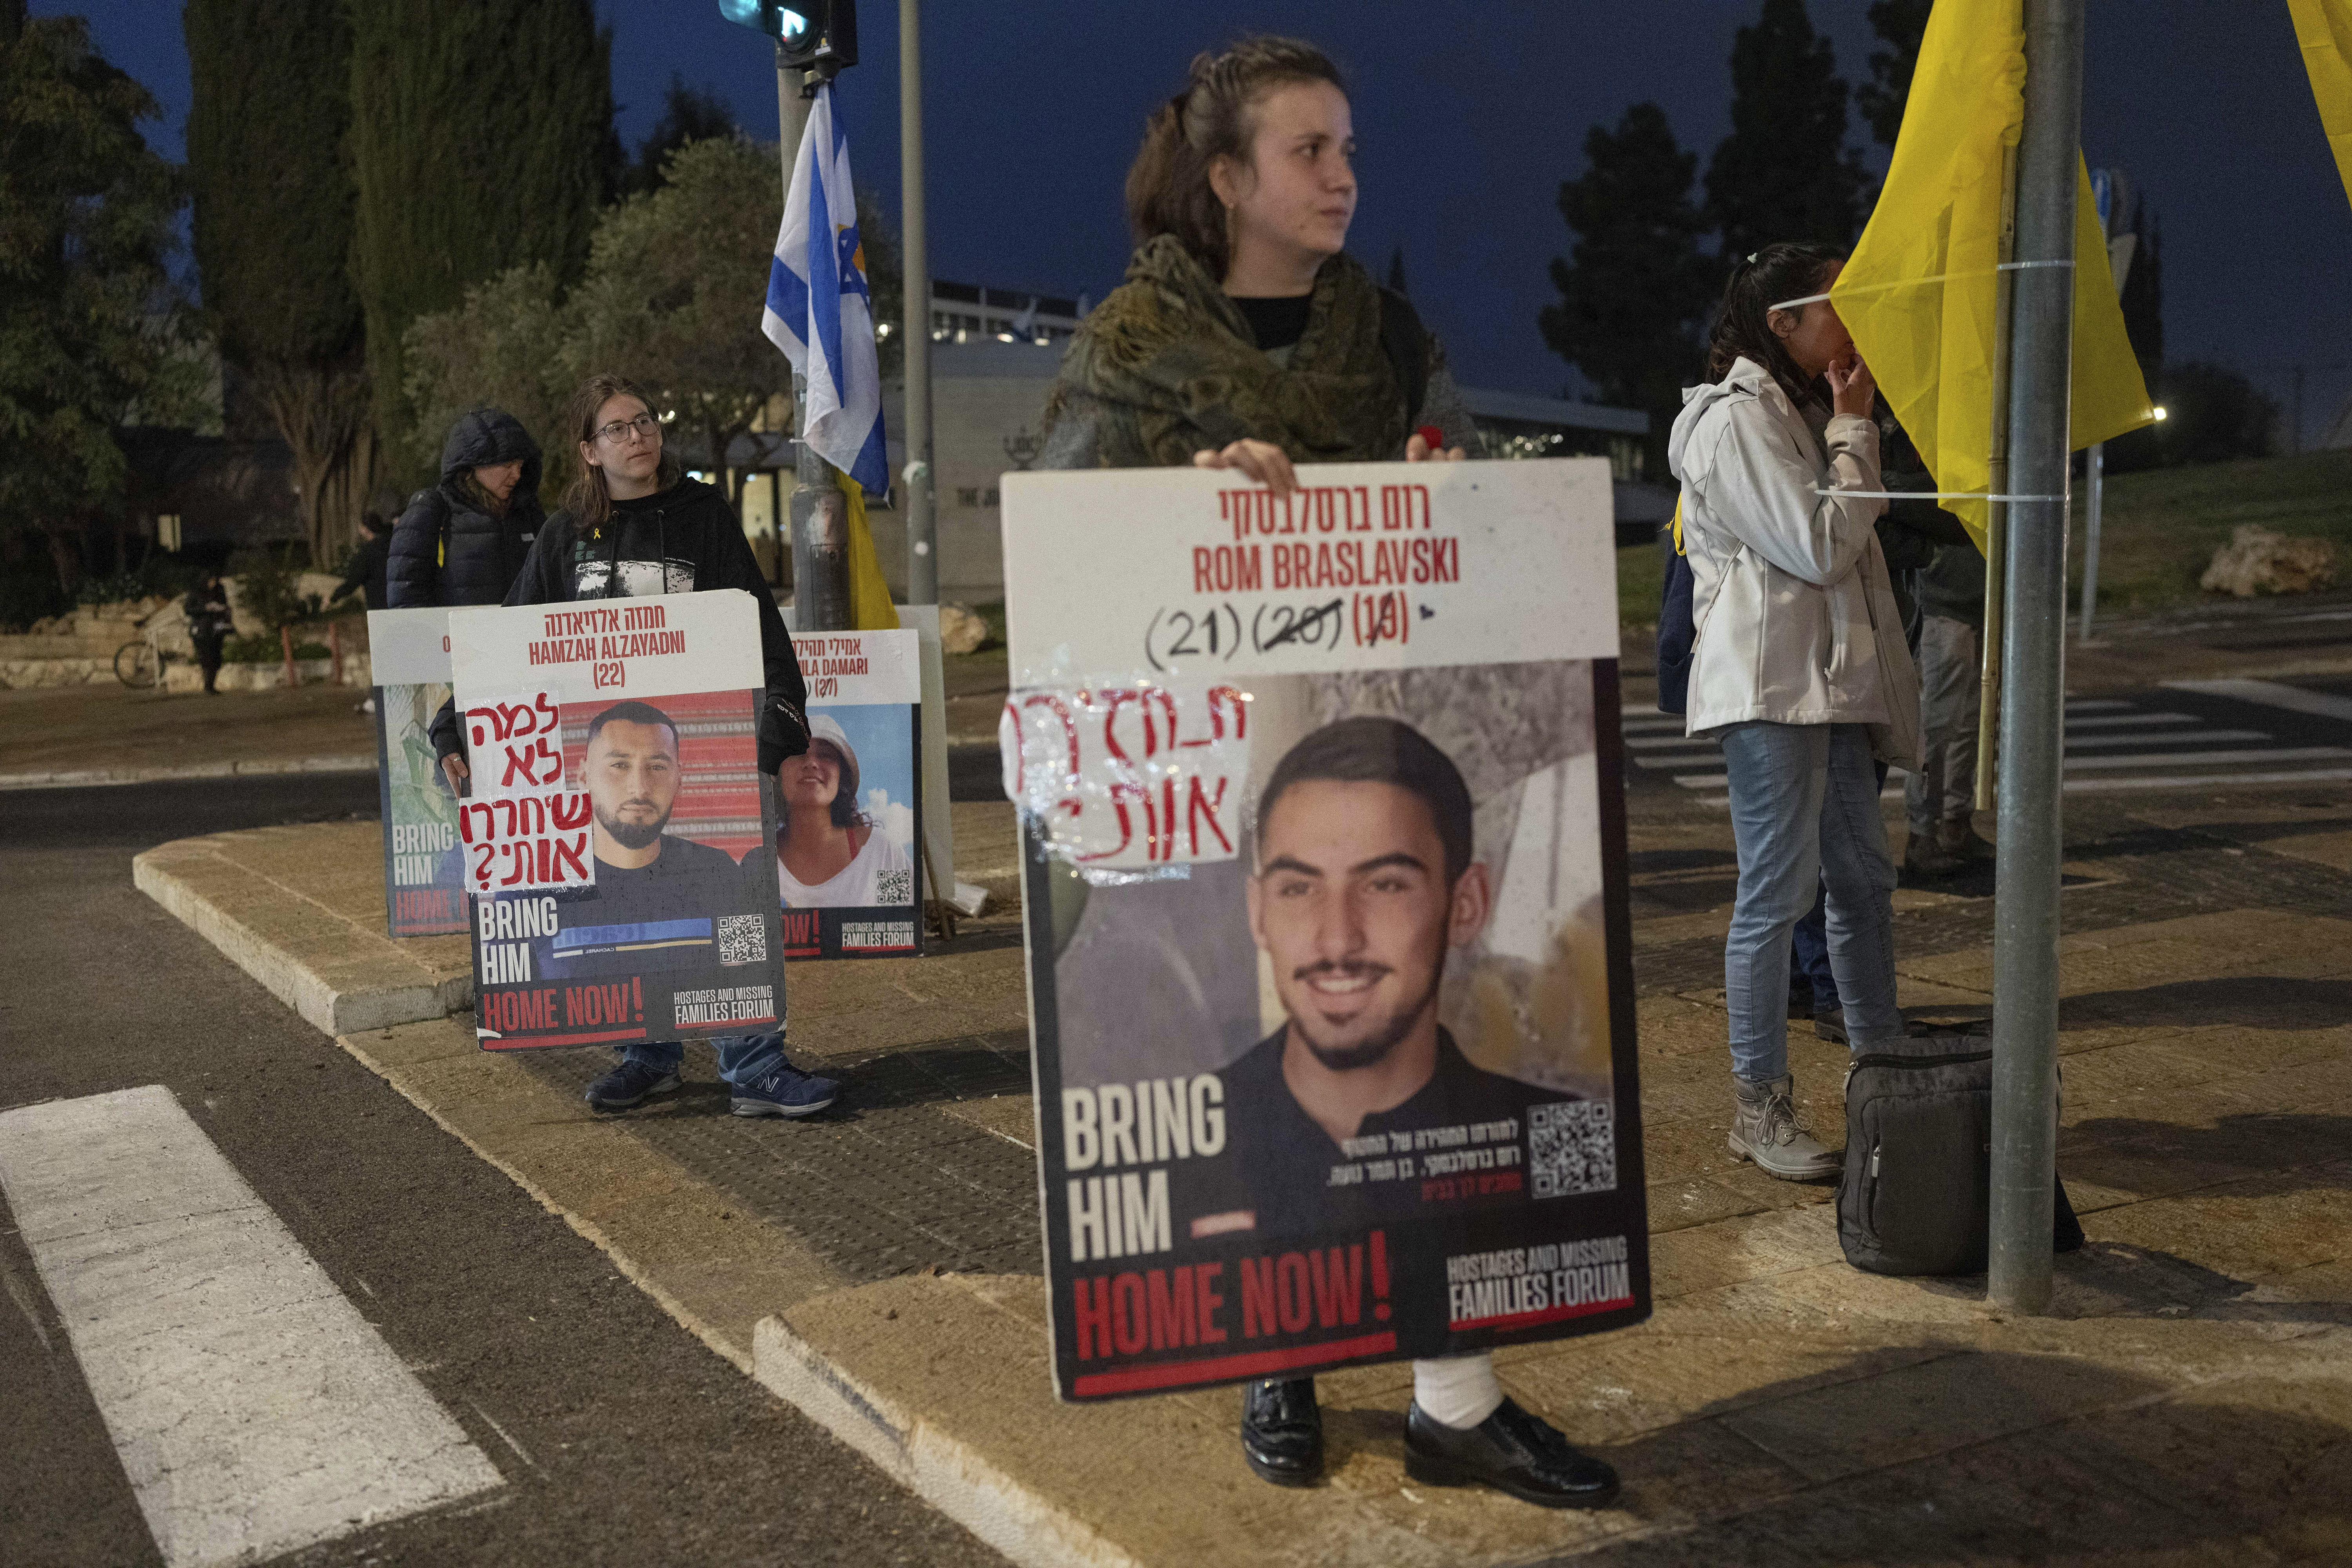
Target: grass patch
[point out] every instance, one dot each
(2158, 531)
(2158, 528)
(1641, 580)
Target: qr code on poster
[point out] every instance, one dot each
(894, 888)
(743, 939)
(1572, 1148)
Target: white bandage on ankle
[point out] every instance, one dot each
(1457, 1390)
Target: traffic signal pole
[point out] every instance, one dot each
(2033, 638)
(819, 511)
(922, 511)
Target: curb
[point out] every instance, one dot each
(168, 874)
(78, 778)
(948, 1474)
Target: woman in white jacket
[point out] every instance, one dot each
(1800, 667)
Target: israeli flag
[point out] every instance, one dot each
(819, 311)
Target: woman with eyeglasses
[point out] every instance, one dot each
(634, 525)
(1800, 668)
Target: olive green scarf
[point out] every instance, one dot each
(1166, 366)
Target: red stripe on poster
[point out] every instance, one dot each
(1219, 1369)
(516, 1042)
(1543, 1315)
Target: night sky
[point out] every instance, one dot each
(1467, 127)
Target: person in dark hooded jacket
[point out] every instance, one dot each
(462, 541)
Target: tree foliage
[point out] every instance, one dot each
(481, 139)
(2213, 414)
(1784, 172)
(1900, 24)
(688, 114)
(503, 345)
(1633, 289)
(91, 334)
(272, 235)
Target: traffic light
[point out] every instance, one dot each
(811, 35)
(826, 39)
(779, 21)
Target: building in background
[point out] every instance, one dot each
(995, 355)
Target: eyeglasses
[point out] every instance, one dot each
(618, 431)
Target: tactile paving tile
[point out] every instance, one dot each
(883, 1183)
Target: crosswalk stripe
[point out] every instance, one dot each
(2109, 721)
(2204, 780)
(2167, 738)
(2273, 694)
(2258, 754)
(254, 1410)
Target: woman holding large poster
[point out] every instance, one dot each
(1245, 338)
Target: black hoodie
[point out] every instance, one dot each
(683, 541)
(449, 547)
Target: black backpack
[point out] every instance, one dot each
(1677, 633)
(1916, 1198)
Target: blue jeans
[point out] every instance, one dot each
(1809, 944)
(742, 1058)
(1804, 814)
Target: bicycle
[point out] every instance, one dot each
(139, 664)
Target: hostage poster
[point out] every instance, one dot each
(424, 875)
(615, 837)
(1329, 956)
(848, 844)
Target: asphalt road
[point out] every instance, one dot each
(619, 1437)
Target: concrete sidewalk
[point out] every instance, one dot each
(2190, 1401)
(53, 736)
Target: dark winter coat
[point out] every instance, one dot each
(366, 571)
(207, 614)
(1912, 534)
(449, 548)
(685, 539)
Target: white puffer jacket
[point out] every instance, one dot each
(1796, 616)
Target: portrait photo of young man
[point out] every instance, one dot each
(1363, 884)
(655, 892)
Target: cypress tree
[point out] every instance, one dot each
(1900, 24)
(272, 235)
(1632, 290)
(1784, 172)
(90, 329)
(481, 139)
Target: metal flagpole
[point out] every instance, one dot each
(1997, 512)
(820, 513)
(2034, 635)
(922, 511)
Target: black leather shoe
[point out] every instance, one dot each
(1511, 1451)
(1282, 1431)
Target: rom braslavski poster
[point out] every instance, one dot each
(616, 836)
(1329, 960)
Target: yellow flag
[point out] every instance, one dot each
(2324, 28)
(1921, 292)
(870, 609)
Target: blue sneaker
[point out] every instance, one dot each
(627, 1085)
(783, 1091)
